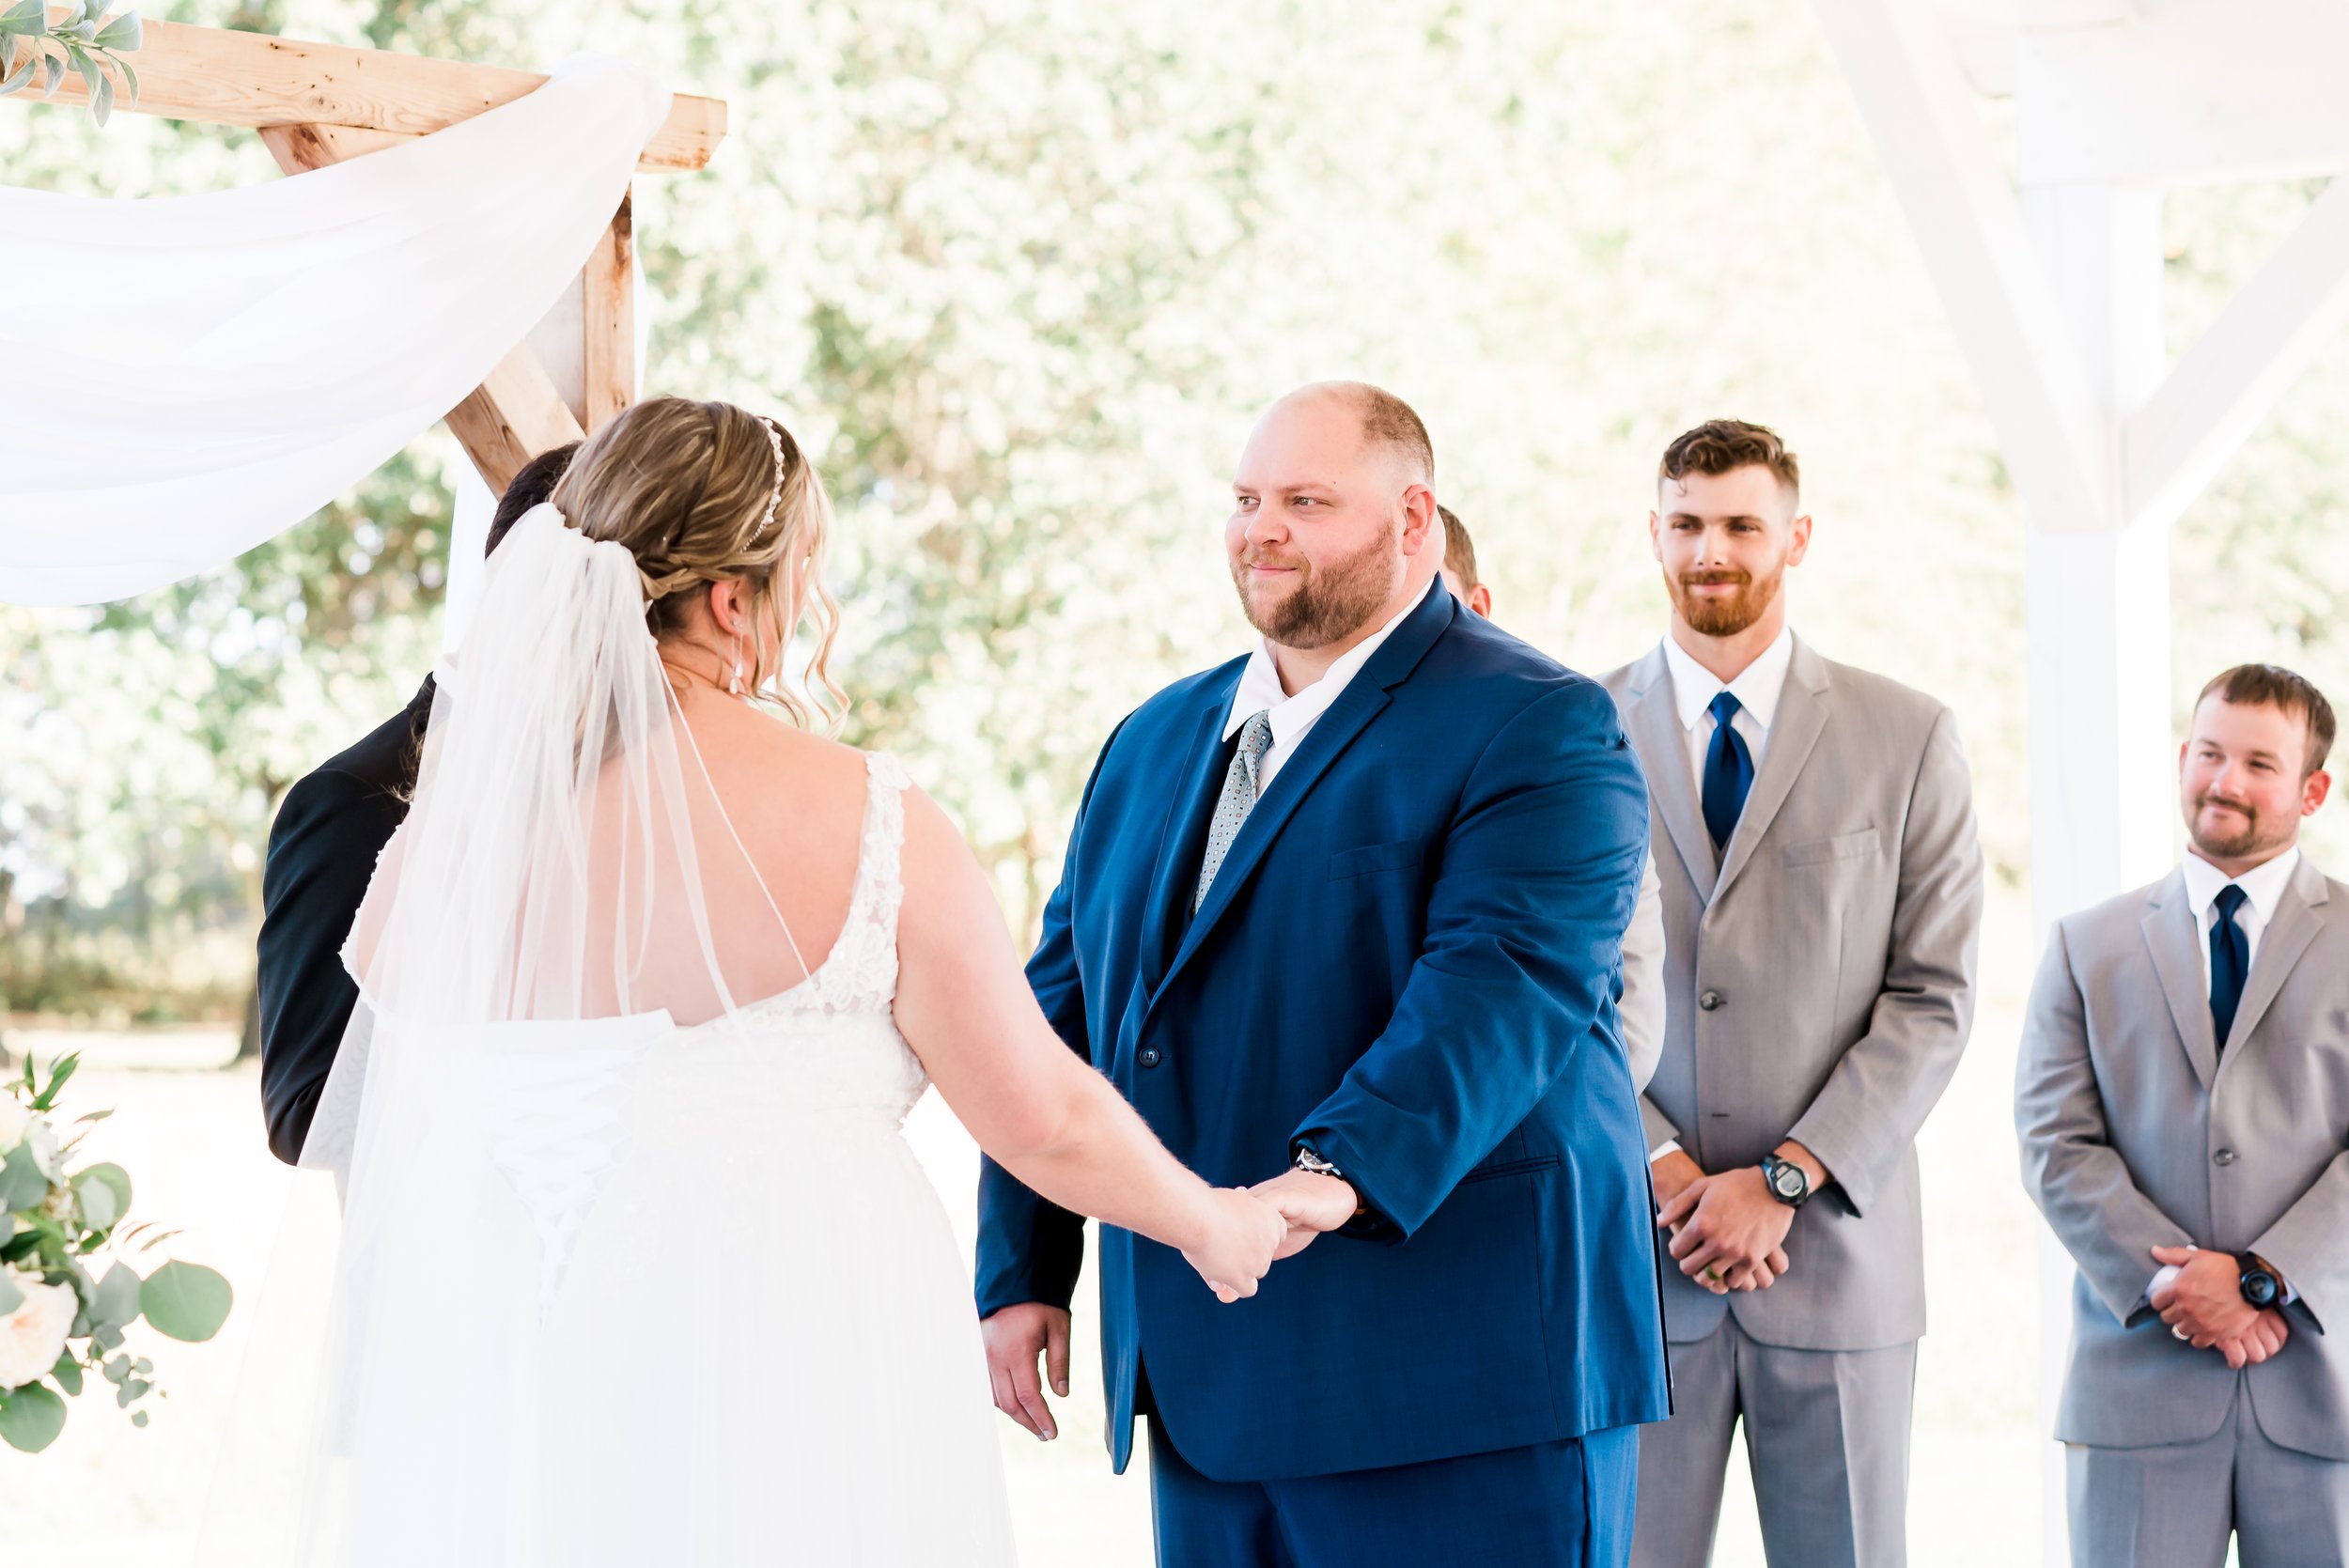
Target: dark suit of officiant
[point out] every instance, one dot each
(321, 856)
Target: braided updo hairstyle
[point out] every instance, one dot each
(687, 488)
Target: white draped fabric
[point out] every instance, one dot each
(256, 353)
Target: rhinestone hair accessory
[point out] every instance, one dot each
(774, 440)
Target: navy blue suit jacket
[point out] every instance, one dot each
(1410, 959)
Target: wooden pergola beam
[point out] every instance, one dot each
(315, 104)
(511, 418)
(219, 77)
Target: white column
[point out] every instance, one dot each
(2097, 619)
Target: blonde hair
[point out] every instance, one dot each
(709, 493)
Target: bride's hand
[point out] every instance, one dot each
(1237, 1237)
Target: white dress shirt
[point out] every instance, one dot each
(1757, 688)
(1641, 1010)
(1260, 691)
(2263, 887)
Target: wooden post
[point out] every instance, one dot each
(608, 320)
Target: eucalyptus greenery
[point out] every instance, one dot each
(60, 1318)
(84, 40)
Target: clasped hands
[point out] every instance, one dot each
(1727, 1231)
(2203, 1306)
(1301, 1205)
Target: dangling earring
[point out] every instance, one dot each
(735, 685)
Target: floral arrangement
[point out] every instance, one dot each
(60, 1317)
(84, 40)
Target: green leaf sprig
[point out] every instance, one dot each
(84, 40)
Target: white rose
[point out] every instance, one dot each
(32, 1336)
(42, 1139)
(14, 1119)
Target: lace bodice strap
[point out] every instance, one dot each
(881, 889)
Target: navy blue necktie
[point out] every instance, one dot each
(1728, 773)
(2229, 963)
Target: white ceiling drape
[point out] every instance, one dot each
(233, 361)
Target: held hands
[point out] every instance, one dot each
(1239, 1234)
(1728, 1233)
(2204, 1306)
(1311, 1205)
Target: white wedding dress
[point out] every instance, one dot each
(617, 1289)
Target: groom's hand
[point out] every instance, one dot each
(1311, 1204)
(1015, 1336)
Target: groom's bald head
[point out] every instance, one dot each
(1389, 426)
(1333, 525)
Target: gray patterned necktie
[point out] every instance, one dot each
(1237, 799)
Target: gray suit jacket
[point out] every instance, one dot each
(1819, 982)
(2137, 1133)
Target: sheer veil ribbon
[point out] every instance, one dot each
(536, 927)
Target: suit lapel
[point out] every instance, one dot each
(1654, 720)
(1363, 699)
(2170, 936)
(1191, 802)
(1794, 731)
(2299, 916)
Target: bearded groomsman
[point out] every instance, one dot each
(2183, 1103)
(1814, 827)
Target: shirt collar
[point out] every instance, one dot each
(1757, 687)
(1260, 682)
(2263, 884)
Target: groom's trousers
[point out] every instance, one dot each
(1567, 1504)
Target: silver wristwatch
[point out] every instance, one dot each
(1313, 1165)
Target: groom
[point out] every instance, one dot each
(1343, 920)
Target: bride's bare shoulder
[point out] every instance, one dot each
(739, 741)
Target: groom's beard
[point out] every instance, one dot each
(1329, 601)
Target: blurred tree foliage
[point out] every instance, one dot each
(1020, 272)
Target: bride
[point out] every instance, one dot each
(636, 1265)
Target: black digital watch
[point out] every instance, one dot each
(2260, 1284)
(1786, 1181)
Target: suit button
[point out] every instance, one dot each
(1149, 1056)
(1709, 1001)
(2224, 1156)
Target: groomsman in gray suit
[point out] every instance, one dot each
(1642, 1007)
(1814, 826)
(2182, 1102)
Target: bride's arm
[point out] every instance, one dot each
(1043, 1114)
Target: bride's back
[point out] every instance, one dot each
(787, 826)
(704, 856)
